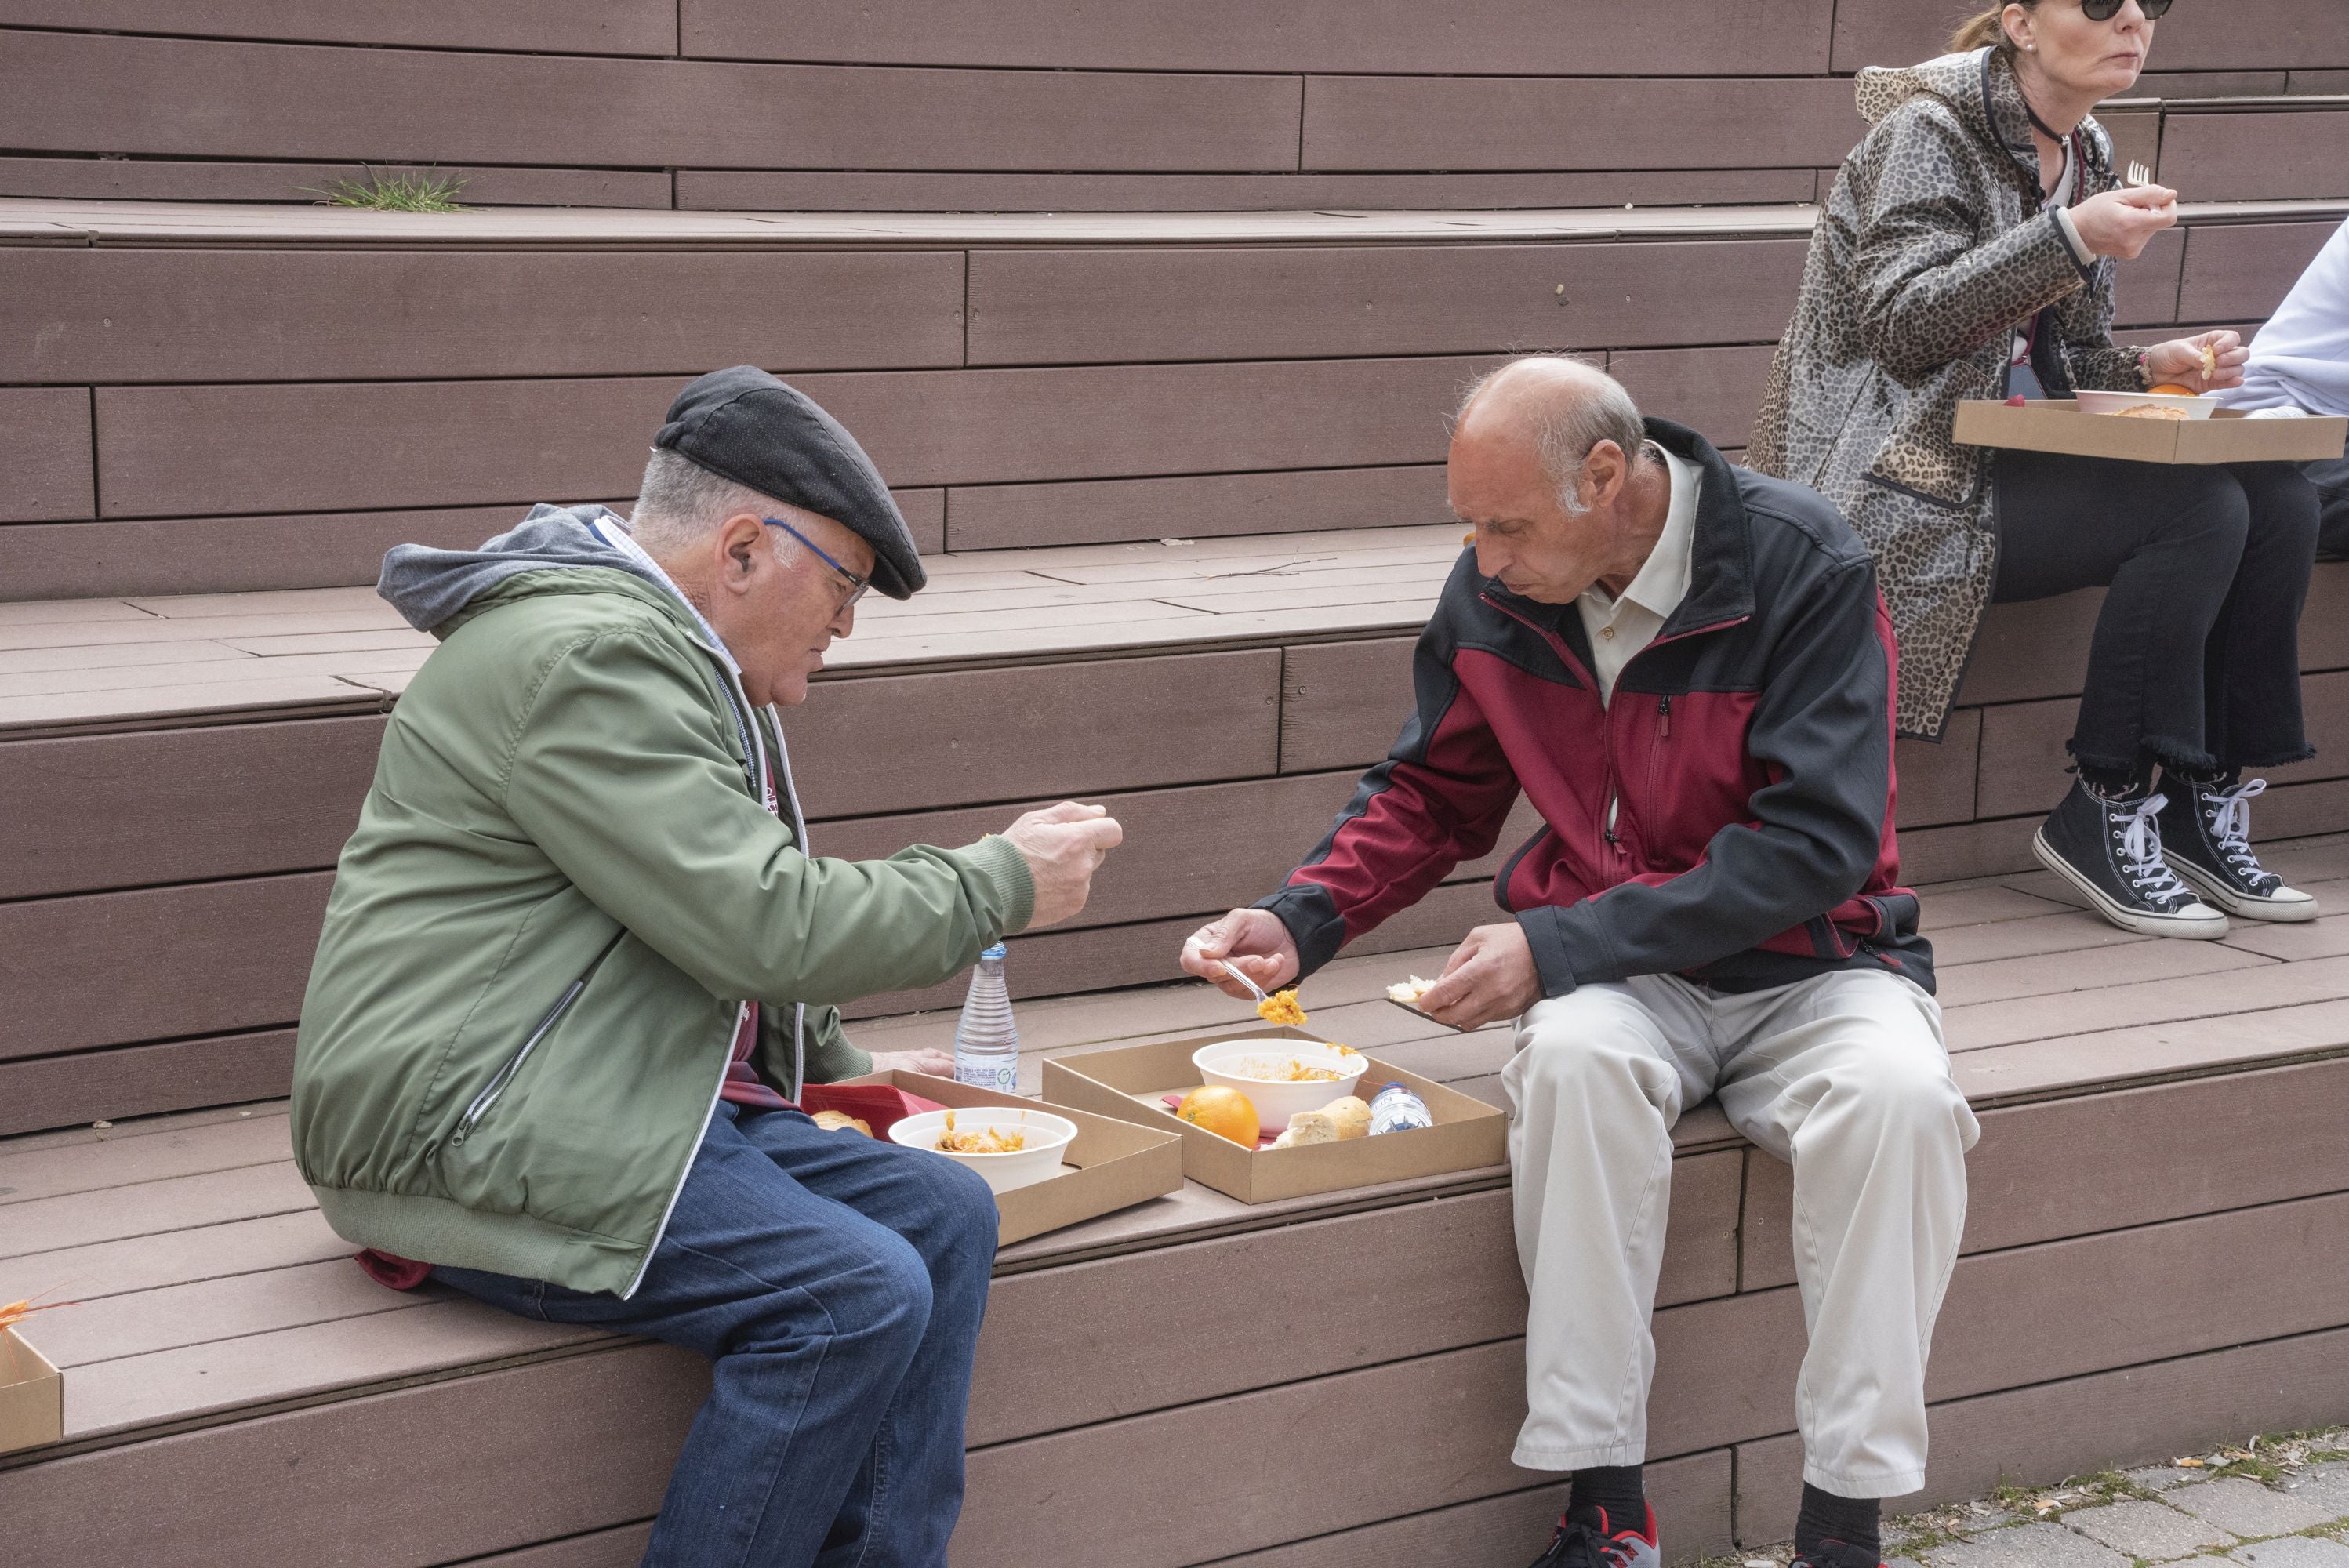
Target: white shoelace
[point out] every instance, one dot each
(2141, 848)
(2231, 822)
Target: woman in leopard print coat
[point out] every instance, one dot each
(1967, 251)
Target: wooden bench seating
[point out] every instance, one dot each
(1332, 1379)
(212, 399)
(1009, 105)
(182, 772)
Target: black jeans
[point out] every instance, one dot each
(2196, 659)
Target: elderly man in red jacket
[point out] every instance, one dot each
(1686, 669)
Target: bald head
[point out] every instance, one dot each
(1549, 462)
(1560, 407)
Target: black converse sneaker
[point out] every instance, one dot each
(2111, 850)
(2207, 836)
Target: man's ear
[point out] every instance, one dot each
(1603, 473)
(740, 538)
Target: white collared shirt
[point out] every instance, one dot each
(1620, 627)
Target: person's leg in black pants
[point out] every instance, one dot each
(2195, 659)
(2331, 482)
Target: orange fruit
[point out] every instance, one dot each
(1226, 1112)
(2173, 389)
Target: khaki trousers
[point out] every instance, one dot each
(1845, 1077)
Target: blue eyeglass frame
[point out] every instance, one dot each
(857, 586)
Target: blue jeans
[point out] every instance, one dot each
(837, 1284)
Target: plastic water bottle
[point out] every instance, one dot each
(1397, 1110)
(987, 1041)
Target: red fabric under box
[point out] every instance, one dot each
(877, 1105)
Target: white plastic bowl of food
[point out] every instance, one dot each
(1042, 1138)
(1254, 1069)
(2122, 402)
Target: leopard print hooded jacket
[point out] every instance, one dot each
(1930, 252)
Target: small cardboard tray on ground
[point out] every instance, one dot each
(2229, 436)
(1111, 1164)
(1132, 1082)
(32, 1396)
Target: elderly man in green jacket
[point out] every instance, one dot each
(579, 956)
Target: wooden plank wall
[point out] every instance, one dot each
(1014, 104)
(212, 418)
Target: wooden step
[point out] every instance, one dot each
(2096, 1317)
(167, 371)
(162, 878)
(1009, 105)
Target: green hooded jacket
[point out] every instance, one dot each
(563, 886)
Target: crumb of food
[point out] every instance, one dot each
(2209, 362)
(1410, 991)
(2152, 411)
(840, 1121)
(987, 1141)
(1282, 1008)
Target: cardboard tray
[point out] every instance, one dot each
(1117, 1163)
(32, 1396)
(1131, 1082)
(2057, 425)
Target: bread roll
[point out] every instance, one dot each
(1307, 1127)
(1350, 1115)
(840, 1121)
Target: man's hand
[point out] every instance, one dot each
(1255, 939)
(929, 1059)
(1491, 976)
(1064, 845)
(2180, 360)
(2121, 223)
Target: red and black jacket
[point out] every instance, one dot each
(1747, 755)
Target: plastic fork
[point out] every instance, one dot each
(2138, 175)
(1256, 990)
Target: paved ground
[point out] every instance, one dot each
(2277, 1503)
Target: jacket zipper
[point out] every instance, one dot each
(504, 1076)
(1607, 823)
(756, 758)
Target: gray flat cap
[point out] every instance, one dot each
(756, 430)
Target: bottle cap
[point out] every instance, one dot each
(1391, 1083)
(995, 952)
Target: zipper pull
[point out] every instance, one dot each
(1664, 717)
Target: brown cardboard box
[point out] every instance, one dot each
(1132, 1081)
(2057, 425)
(1112, 1164)
(32, 1396)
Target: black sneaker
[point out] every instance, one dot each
(2206, 835)
(1579, 1545)
(2111, 850)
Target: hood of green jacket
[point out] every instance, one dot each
(564, 883)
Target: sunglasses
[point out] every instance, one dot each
(857, 586)
(2106, 10)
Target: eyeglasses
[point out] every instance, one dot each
(2106, 10)
(856, 585)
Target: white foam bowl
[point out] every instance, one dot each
(1046, 1134)
(2120, 402)
(1276, 1101)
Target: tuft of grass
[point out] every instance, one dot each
(405, 191)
